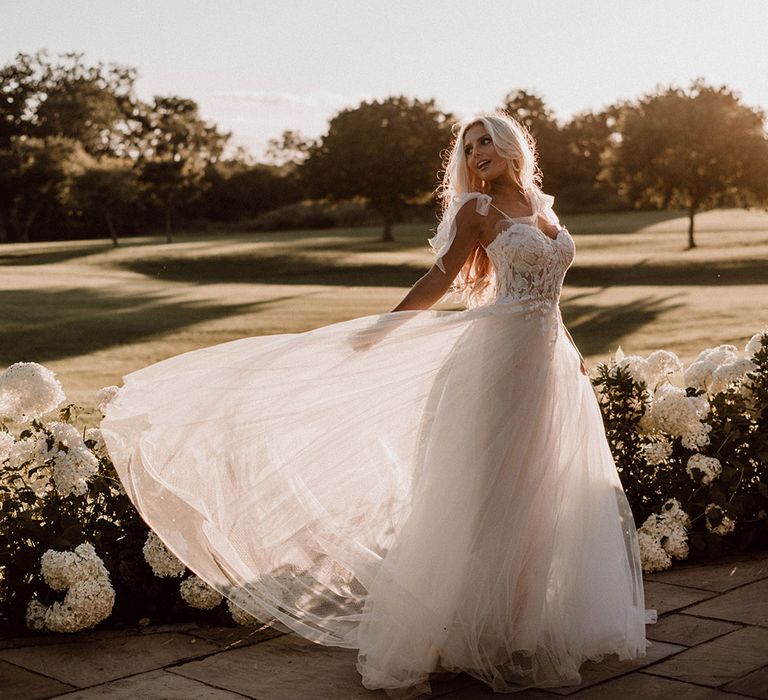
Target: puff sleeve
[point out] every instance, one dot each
(446, 229)
(543, 205)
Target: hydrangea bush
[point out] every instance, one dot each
(691, 447)
(73, 551)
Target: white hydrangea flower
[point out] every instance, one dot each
(719, 355)
(673, 511)
(657, 452)
(241, 617)
(661, 365)
(104, 396)
(754, 343)
(676, 543)
(734, 371)
(162, 561)
(697, 436)
(36, 615)
(636, 366)
(653, 557)
(90, 596)
(29, 390)
(199, 594)
(62, 569)
(6, 442)
(72, 471)
(664, 535)
(64, 433)
(709, 467)
(726, 524)
(28, 458)
(698, 375)
(100, 447)
(87, 603)
(675, 413)
(21, 452)
(73, 463)
(655, 526)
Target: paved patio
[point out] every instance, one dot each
(711, 641)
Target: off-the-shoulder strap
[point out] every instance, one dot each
(446, 229)
(542, 205)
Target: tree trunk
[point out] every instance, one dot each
(691, 214)
(168, 226)
(387, 234)
(26, 227)
(8, 231)
(111, 228)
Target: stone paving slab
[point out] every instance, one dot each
(688, 630)
(748, 604)
(665, 597)
(720, 576)
(755, 684)
(719, 661)
(111, 659)
(285, 668)
(231, 637)
(477, 690)
(610, 667)
(21, 684)
(154, 685)
(91, 636)
(640, 686)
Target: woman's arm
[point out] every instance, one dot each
(432, 286)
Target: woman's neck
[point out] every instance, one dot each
(508, 192)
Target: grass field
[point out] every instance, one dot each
(93, 313)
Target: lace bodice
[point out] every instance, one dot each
(529, 266)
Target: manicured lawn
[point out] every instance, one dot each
(93, 313)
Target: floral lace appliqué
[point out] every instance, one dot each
(529, 269)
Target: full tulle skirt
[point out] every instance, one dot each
(432, 488)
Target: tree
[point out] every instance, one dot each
(108, 190)
(531, 111)
(387, 151)
(289, 151)
(35, 176)
(176, 146)
(696, 149)
(235, 189)
(43, 97)
(586, 139)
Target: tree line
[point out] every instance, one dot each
(80, 154)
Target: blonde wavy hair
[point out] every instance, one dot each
(516, 145)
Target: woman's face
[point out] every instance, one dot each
(483, 160)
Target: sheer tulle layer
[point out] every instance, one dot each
(444, 499)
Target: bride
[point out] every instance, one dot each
(432, 488)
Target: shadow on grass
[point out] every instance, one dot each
(617, 222)
(597, 329)
(297, 269)
(707, 273)
(52, 255)
(277, 269)
(40, 326)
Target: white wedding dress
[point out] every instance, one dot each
(442, 500)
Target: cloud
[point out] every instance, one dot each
(314, 100)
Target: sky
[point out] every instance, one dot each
(257, 68)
